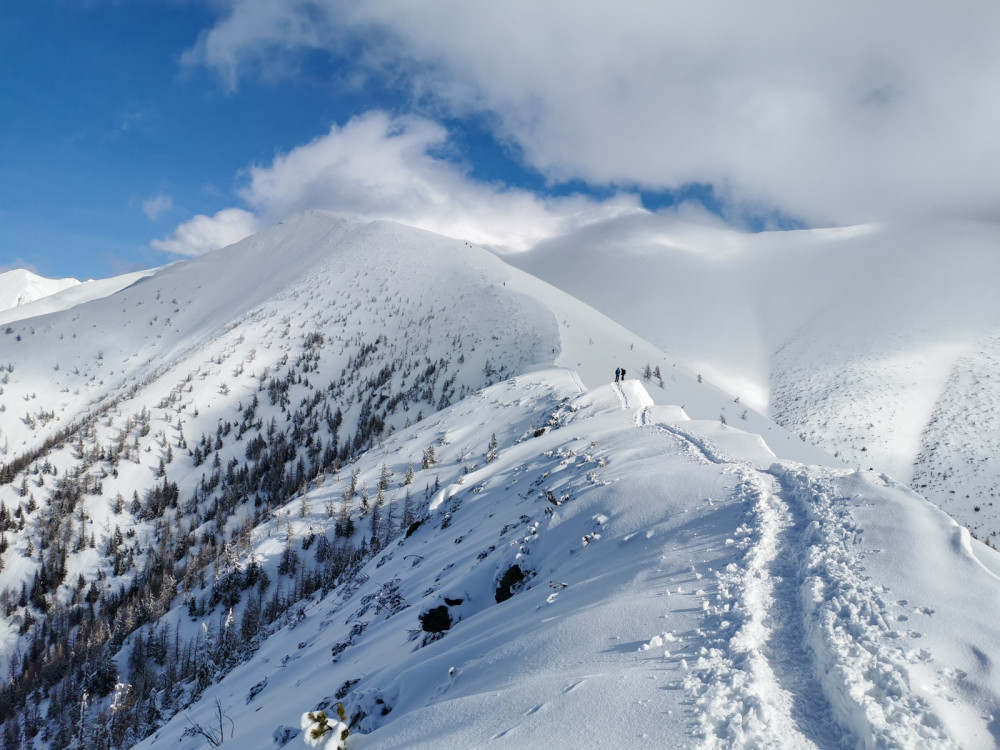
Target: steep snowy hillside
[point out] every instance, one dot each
(19, 287)
(876, 343)
(583, 568)
(150, 437)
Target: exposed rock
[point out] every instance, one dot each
(511, 578)
(436, 620)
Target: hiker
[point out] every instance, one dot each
(623, 374)
(618, 374)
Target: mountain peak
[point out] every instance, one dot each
(20, 287)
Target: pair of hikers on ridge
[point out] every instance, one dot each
(619, 375)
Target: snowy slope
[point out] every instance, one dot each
(308, 270)
(71, 296)
(147, 426)
(685, 591)
(863, 340)
(211, 480)
(19, 287)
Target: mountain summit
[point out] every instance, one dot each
(19, 287)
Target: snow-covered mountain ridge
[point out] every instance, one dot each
(878, 343)
(262, 481)
(681, 589)
(28, 296)
(20, 287)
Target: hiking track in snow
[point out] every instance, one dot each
(802, 653)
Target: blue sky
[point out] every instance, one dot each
(98, 117)
(135, 132)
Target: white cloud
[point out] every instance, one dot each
(204, 233)
(156, 206)
(262, 36)
(835, 112)
(380, 167)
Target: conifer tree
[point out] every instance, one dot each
(376, 523)
(344, 527)
(428, 460)
(408, 515)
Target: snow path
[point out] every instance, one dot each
(620, 392)
(756, 686)
(748, 692)
(693, 445)
(801, 653)
(787, 649)
(865, 669)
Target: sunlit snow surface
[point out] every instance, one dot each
(687, 590)
(25, 295)
(21, 287)
(877, 342)
(688, 583)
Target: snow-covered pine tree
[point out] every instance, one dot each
(428, 460)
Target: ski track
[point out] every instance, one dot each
(801, 651)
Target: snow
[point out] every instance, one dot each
(21, 287)
(868, 341)
(693, 574)
(55, 295)
(717, 604)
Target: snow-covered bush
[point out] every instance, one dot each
(318, 729)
